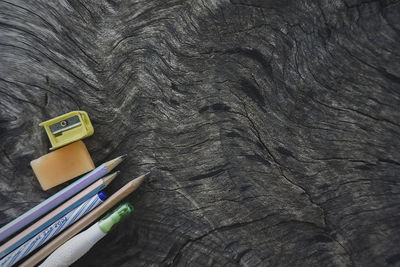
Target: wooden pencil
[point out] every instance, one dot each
(58, 198)
(84, 222)
(55, 214)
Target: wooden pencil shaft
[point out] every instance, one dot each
(48, 219)
(56, 213)
(58, 198)
(85, 221)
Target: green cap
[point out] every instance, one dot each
(114, 217)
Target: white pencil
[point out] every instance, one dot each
(77, 246)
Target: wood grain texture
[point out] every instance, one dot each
(274, 125)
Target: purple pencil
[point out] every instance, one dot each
(58, 198)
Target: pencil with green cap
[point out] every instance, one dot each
(84, 222)
(58, 198)
(77, 246)
(53, 230)
(55, 214)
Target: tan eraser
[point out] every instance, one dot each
(62, 165)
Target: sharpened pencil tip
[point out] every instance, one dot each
(109, 165)
(149, 171)
(109, 178)
(138, 180)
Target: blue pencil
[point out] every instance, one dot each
(53, 230)
(54, 215)
(58, 198)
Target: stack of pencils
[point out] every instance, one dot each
(47, 226)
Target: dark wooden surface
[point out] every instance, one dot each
(274, 125)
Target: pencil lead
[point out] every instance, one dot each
(149, 171)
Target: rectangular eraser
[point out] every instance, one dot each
(62, 165)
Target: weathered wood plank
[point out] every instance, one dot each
(274, 125)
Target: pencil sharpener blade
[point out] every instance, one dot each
(68, 128)
(64, 125)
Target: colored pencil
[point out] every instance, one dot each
(84, 222)
(55, 214)
(52, 230)
(58, 198)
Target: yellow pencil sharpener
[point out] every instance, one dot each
(68, 128)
